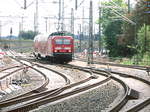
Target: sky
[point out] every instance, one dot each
(11, 13)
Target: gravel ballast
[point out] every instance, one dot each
(35, 82)
(94, 100)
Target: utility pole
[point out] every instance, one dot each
(83, 24)
(20, 29)
(46, 24)
(72, 21)
(10, 36)
(99, 29)
(59, 15)
(63, 12)
(0, 35)
(0, 30)
(90, 49)
(25, 4)
(76, 4)
(36, 17)
(80, 36)
(145, 35)
(128, 6)
(22, 23)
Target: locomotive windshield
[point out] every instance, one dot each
(63, 33)
(62, 41)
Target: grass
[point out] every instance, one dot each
(138, 60)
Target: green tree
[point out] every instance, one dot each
(28, 34)
(112, 27)
(140, 17)
(144, 39)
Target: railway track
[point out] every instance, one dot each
(21, 68)
(45, 94)
(142, 104)
(128, 91)
(18, 68)
(133, 93)
(105, 73)
(20, 99)
(145, 68)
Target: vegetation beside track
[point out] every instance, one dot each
(17, 45)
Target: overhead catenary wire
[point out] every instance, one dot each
(25, 5)
(30, 4)
(81, 3)
(18, 3)
(124, 17)
(113, 3)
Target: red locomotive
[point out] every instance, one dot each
(58, 46)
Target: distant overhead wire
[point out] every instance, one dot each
(44, 7)
(113, 3)
(81, 3)
(18, 3)
(30, 4)
(124, 17)
(21, 6)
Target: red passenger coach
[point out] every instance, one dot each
(58, 46)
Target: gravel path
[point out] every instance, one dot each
(94, 100)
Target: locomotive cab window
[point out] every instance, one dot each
(66, 41)
(62, 41)
(59, 41)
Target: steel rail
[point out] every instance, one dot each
(45, 77)
(139, 106)
(32, 91)
(67, 87)
(123, 101)
(46, 82)
(11, 72)
(125, 75)
(146, 68)
(46, 100)
(21, 98)
(10, 68)
(125, 98)
(50, 94)
(126, 88)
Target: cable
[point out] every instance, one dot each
(81, 3)
(30, 3)
(116, 5)
(18, 3)
(124, 17)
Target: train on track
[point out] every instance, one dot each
(58, 46)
